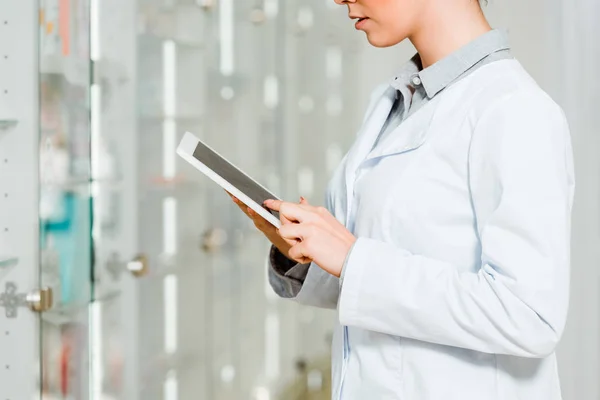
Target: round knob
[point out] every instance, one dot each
(138, 266)
(207, 5)
(213, 240)
(258, 16)
(40, 300)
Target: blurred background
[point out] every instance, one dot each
(159, 282)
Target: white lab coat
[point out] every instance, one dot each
(457, 287)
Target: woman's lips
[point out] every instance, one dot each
(360, 23)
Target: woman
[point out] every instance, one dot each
(444, 244)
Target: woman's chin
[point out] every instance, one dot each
(381, 41)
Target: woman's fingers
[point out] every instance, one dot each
(241, 205)
(274, 204)
(298, 253)
(322, 211)
(259, 221)
(264, 226)
(292, 231)
(284, 220)
(293, 212)
(245, 209)
(291, 242)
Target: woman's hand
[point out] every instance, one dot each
(266, 227)
(313, 234)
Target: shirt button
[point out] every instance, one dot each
(416, 80)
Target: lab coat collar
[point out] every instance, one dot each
(411, 68)
(438, 76)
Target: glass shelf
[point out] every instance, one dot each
(178, 40)
(77, 71)
(65, 314)
(8, 261)
(180, 117)
(8, 123)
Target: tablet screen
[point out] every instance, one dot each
(234, 176)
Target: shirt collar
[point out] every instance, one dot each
(439, 75)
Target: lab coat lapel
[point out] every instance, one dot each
(409, 135)
(364, 142)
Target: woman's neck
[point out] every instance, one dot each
(446, 28)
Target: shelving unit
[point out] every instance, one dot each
(64, 72)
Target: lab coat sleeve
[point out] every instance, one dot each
(285, 276)
(521, 181)
(306, 284)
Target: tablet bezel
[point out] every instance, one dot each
(186, 150)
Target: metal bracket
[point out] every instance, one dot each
(11, 300)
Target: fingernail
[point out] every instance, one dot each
(302, 198)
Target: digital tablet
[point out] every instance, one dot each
(228, 176)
